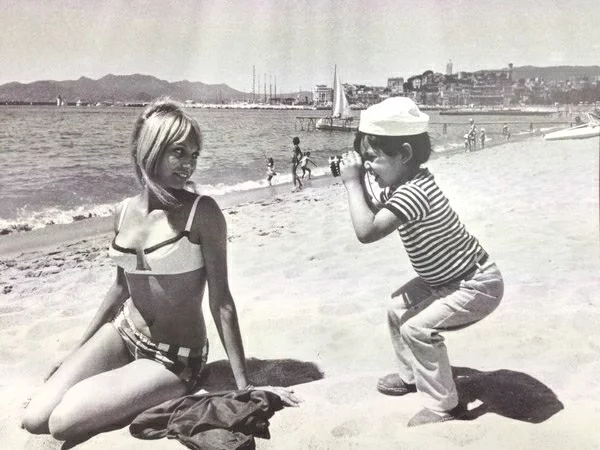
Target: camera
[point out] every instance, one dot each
(334, 165)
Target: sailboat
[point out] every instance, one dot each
(341, 117)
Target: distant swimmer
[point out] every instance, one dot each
(270, 170)
(506, 132)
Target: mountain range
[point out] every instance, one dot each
(139, 88)
(118, 88)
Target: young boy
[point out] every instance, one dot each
(457, 285)
(304, 164)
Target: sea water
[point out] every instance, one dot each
(60, 164)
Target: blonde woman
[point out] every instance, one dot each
(147, 342)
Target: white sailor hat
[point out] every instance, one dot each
(395, 116)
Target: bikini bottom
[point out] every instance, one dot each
(184, 362)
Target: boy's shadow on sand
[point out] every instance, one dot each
(515, 395)
(218, 376)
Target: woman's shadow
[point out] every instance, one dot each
(511, 394)
(217, 376)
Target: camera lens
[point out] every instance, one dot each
(334, 165)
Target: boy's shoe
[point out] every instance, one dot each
(426, 416)
(392, 384)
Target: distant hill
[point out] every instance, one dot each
(118, 88)
(555, 73)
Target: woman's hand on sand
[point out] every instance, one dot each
(285, 394)
(351, 167)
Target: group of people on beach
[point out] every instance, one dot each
(147, 342)
(298, 159)
(472, 137)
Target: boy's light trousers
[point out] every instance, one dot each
(424, 313)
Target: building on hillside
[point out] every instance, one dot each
(367, 95)
(490, 95)
(322, 95)
(396, 86)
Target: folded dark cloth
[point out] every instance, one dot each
(224, 420)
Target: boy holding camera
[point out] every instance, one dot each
(457, 284)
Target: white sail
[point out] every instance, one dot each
(341, 107)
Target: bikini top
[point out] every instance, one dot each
(173, 256)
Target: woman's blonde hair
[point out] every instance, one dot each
(162, 124)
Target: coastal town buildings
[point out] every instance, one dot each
(489, 88)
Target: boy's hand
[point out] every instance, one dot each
(351, 167)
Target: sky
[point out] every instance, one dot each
(293, 44)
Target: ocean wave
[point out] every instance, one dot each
(280, 178)
(31, 220)
(28, 221)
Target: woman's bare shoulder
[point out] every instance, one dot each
(208, 209)
(120, 208)
(208, 218)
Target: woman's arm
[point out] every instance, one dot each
(211, 227)
(114, 298)
(116, 295)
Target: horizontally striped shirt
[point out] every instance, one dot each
(439, 247)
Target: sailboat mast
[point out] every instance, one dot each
(334, 96)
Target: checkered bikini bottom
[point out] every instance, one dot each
(186, 363)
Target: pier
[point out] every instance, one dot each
(306, 123)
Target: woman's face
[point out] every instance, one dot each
(177, 163)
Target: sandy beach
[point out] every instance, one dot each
(312, 305)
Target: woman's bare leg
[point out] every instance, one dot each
(102, 352)
(100, 402)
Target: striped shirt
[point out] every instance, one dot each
(439, 247)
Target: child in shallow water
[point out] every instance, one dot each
(458, 283)
(270, 170)
(304, 164)
(147, 342)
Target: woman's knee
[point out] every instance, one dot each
(66, 419)
(37, 412)
(35, 420)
